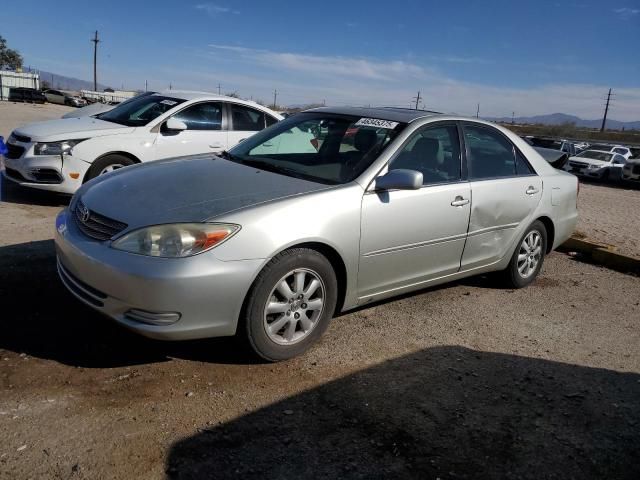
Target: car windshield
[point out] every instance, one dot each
(141, 110)
(595, 155)
(320, 147)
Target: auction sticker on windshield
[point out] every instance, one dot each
(376, 122)
(171, 103)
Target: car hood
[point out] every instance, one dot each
(92, 109)
(71, 128)
(188, 189)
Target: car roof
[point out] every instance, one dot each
(190, 95)
(394, 114)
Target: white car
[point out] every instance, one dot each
(597, 164)
(55, 96)
(619, 149)
(631, 171)
(60, 155)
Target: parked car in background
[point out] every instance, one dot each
(597, 164)
(60, 155)
(556, 158)
(26, 95)
(274, 245)
(631, 171)
(55, 96)
(75, 101)
(619, 149)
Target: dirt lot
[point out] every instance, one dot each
(464, 381)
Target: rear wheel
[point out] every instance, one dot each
(290, 304)
(108, 164)
(528, 257)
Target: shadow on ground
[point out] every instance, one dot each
(445, 412)
(39, 317)
(11, 192)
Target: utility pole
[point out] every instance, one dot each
(513, 116)
(275, 98)
(478, 111)
(146, 85)
(219, 87)
(606, 110)
(417, 99)
(324, 102)
(95, 60)
(170, 86)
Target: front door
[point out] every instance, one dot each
(411, 236)
(205, 132)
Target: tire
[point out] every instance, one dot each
(280, 334)
(110, 161)
(514, 276)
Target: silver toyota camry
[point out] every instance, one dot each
(328, 210)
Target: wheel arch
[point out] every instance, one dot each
(117, 152)
(551, 231)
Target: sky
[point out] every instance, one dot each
(524, 56)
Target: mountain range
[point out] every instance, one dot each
(560, 118)
(67, 83)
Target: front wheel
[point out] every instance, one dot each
(290, 304)
(527, 260)
(108, 164)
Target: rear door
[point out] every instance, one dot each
(206, 132)
(245, 121)
(505, 191)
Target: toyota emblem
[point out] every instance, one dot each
(84, 213)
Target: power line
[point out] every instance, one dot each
(606, 110)
(95, 60)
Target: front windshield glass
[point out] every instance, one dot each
(320, 147)
(595, 155)
(140, 110)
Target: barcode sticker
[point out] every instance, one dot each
(376, 122)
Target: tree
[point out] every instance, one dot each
(9, 59)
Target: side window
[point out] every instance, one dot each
(434, 151)
(522, 165)
(490, 155)
(202, 116)
(247, 119)
(271, 120)
(618, 160)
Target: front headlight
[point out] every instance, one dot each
(56, 148)
(594, 167)
(175, 240)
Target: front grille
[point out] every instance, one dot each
(81, 289)
(636, 169)
(578, 164)
(15, 175)
(46, 175)
(95, 225)
(21, 138)
(14, 151)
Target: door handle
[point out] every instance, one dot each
(532, 190)
(215, 145)
(459, 201)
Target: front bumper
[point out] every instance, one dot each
(45, 172)
(193, 297)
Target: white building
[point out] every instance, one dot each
(10, 79)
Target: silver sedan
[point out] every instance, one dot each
(328, 210)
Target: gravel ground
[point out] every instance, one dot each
(463, 381)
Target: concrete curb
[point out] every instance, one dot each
(602, 254)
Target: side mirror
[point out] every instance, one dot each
(400, 179)
(175, 125)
